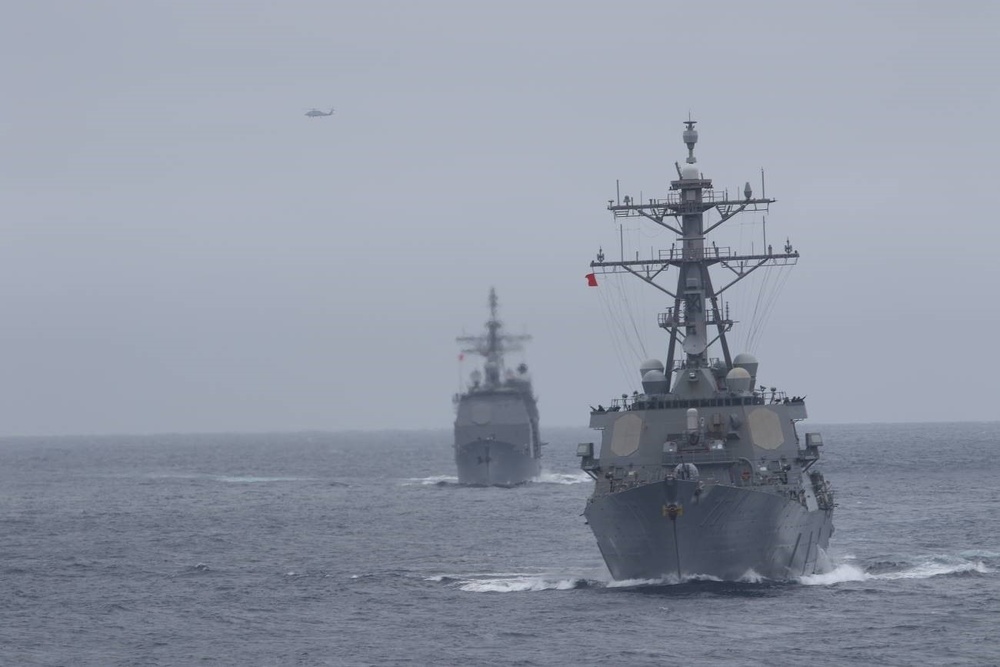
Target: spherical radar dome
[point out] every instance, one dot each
(738, 380)
(654, 375)
(651, 365)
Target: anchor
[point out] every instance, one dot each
(672, 510)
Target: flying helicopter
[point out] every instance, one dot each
(316, 113)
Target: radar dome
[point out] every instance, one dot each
(738, 380)
(655, 382)
(748, 362)
(650, 365)
(690, 172)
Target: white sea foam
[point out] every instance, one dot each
(520, 584)
(433, 480)
(634, 583)
(547, 477)
(665, 581)
(933, 567)
(928, 570)
(838, 575)
(751, 577)
(511, 582)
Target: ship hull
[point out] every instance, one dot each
(727, 532)
(495, 463)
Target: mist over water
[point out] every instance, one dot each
(361, 549)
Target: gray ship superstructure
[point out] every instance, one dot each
(496, 427)
(703, 473)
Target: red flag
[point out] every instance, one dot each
(591, 280)
(461, 357)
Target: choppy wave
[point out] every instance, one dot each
(547, 477)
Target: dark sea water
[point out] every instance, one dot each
(360, 549)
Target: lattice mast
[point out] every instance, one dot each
(493, 344)
(696, 313)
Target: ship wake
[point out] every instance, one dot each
(533, 582)
(898, 568)
(433, 480)
(547, 477)
(512, 582)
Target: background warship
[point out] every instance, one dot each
(707, 477)
(496, 426)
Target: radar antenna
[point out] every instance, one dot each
(697, 312)
(494, 343)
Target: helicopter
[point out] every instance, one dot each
(316, 113)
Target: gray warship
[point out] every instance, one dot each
(703, 473)
(496, 426)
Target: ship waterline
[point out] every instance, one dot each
(495, 463)
(719, 531)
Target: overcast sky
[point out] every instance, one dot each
(183, 250)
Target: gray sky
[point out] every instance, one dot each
(183, 250)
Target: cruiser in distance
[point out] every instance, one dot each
(497, 440)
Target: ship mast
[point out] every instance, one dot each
(493, 344)
(696, 313)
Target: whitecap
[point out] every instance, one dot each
(751, 577)
(511, 582)
(840, 574)
(547, 477)
(635, 583)
(520, 584)
(433, 480)
(932, 569)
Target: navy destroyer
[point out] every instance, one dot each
(496, 426)
(703, 473)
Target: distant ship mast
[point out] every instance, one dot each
(696, 307)
(493, 344)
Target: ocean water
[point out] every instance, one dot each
(361, 549)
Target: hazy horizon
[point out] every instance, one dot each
(183, 251)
